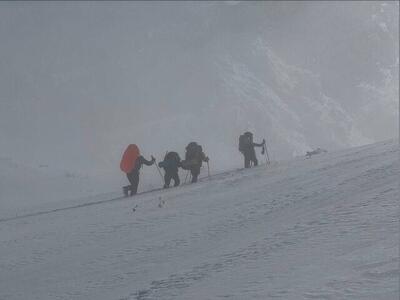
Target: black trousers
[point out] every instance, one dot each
(195, 171)
(248, 158)
(133, 178)
(171, 175)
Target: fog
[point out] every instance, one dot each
(81, 80)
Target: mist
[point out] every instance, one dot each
(79, 81)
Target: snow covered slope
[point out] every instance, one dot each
(319, 228)
(27, 188)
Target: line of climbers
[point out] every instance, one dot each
(132, 161)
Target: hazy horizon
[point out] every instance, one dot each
(81, 80)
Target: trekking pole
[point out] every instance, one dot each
(208, 168)
(266, 154)
(187, 174)
(263, 153)
(159, 171)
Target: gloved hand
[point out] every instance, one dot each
(153, 159)
(264, 141)
(207, 159)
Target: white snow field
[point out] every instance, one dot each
(319, 228)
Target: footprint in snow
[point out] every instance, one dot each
(162, 202)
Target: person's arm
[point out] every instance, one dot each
(204, 157)
(259, 145)
(147, 162)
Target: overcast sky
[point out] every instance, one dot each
(81, 80)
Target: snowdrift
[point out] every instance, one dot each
(319, 228)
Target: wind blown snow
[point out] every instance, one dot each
(319, 228)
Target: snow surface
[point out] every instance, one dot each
(319, 228)
(26, 188)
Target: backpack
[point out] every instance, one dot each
(129, 158)
(244, 142)
(172, 157)
(171, 161)
(192, 151)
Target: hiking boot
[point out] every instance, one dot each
(125, 190)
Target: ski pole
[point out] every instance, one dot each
(159, 171)
(266, 154)
(187, 174)
(208, 168)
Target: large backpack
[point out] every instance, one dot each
(244, 142)
(172, 157)
(129, 158)
(192, 151)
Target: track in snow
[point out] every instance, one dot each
(323, 228)
(98, 202)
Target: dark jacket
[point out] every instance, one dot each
(171, 162)
(257, 145)
(141, 161)
(194, 157)
(247, 145)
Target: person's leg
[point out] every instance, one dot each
(126, 189)
(167, 179)
(176, 179)
(253, 158)
(246, 160)
(195, 173)
(135, 183)
(255, 161)
(131, 181)
(194, 177)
